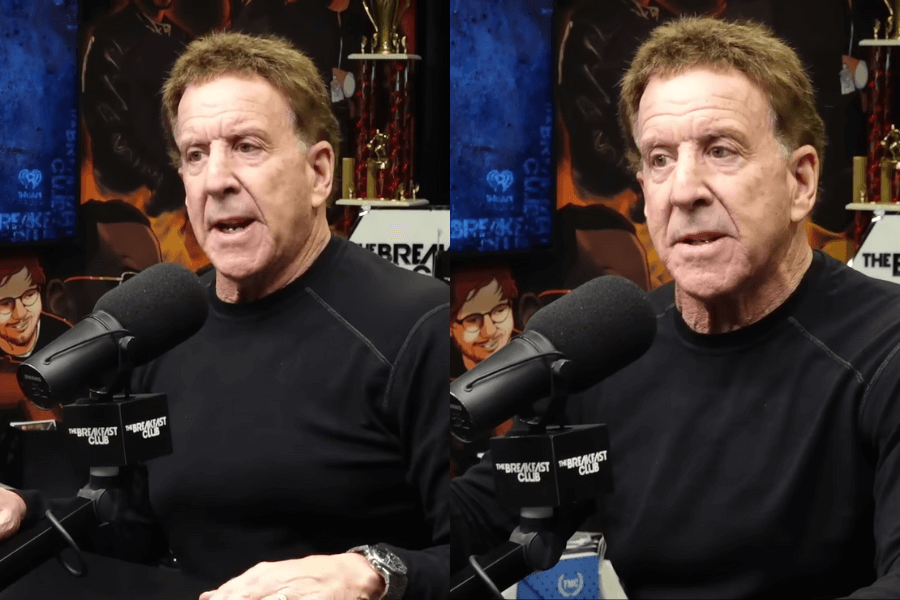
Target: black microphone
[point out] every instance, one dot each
(577, 341)
(569, 345)
(137, 321)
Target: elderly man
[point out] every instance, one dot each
(309, 414)
(754, 447)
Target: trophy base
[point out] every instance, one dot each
(375, 56)
(883, 43)
(885, 206)
(406, 203)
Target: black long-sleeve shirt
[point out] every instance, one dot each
(309, 422)
(762, 462)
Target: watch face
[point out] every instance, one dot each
(390, 560)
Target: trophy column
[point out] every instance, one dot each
(876, 179)
(381, 172)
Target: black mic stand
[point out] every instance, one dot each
(535, 545)
(547, 492)
(115, 427)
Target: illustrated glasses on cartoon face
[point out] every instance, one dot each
(475, 321)
(125, 276)
(28, 298)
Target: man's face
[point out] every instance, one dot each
(478, 344)
(18, 328)
(249, 182)
(718, 188)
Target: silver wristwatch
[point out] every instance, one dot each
(389, 565)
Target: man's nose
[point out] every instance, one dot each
(220, 177)
(689, 182)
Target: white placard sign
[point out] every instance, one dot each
(409, 238)
(879, 255)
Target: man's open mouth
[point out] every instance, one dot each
(233, 225)
(700, 238)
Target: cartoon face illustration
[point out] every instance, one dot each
(20, 311)
(484, 322)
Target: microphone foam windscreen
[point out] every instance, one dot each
(600, 326)
(161, 307)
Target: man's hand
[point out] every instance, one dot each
(337, 577)
(12, 511)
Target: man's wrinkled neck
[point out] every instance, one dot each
(265, 284)
(751, 302)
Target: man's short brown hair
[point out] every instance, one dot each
(274, 59)
(695, 42)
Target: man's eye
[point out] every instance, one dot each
(193, 156)
(245, 147)
(658, 160)
(720, 152)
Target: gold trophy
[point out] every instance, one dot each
(889, 162)
(386, 21)
(892, 28)
(381, 171)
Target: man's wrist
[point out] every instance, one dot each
(389, 566)
(376, 584)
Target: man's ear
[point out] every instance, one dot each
(321, 160)
(803, 169)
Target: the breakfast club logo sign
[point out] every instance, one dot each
(879, 254)
(411, 238)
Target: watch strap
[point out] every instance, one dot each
(389, 565)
